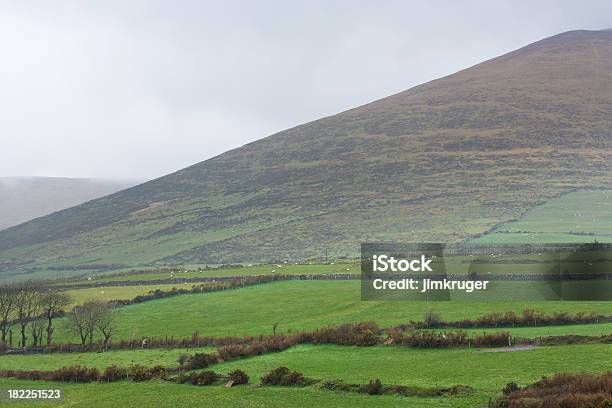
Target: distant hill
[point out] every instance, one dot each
(25, 198)
(439, 162)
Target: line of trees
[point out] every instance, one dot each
(91, 317)
(31, 308)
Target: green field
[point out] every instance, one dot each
(486, 372)
(580, 217)
(313, 304)
(124, 358)
(162, 394)
(255, 270)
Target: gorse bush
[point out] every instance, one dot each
(238, 377)
(498, 339)
(76, 373)
(114, 373)
(561, 390)
(428, 338)
(374, 387)
(439, 339)
(362, 334)
(283, 376)
(200, 360)
(138, 372)
(202, 378)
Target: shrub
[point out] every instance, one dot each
(75, 373)
(374, 387)
(561, 390)
(202, 378)
(431, 319)
(233, 351)
(239, 377)
(510, 388)
(200, 360)
(158, 371)
(139, 373)
(113, 373)
(492, 339)
(182, 359)
(283, 376)
(362, 334)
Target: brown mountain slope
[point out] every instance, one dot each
(441, 161)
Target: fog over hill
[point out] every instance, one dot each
(25, 198)
(442, 161)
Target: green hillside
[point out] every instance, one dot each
(580, 216)
(439, 162)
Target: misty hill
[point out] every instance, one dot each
(439, 162)
(25, 198)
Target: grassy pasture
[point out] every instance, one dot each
(187, 272)
(296, 305)
(486, 372)
(560, 220)
(124, 358)
(108, 293)
(164, 394)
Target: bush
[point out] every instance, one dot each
(510, 388)
(233, 351)
(283, 376)
(139, 373)
(560, 390)
(431, 319)
(492, 339)
(75, 373)
(114, 373)
(362, 334)
(202, 378)
(239, 377)
(374, 387)
(158, 371)
(200, 360)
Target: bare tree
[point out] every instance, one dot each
(106, 321)
(91, 315)
(27, 305)
(52, 305)
(8, 305)
(37, 326)
(82, 321)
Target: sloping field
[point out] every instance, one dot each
(297, 305)
(162, 394)
(580, 216)
(488, 373)
(122, 358)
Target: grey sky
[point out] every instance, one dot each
(139, 89)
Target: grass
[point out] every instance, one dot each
(186, 273)
(124, 358)
(163, 394)
(108, 293)
(312, 304)
(572, 329)
(486, 372)
(580, 216)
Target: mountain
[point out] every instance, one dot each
(442, 161)
(25, 198)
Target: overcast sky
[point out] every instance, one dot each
(138, 89)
